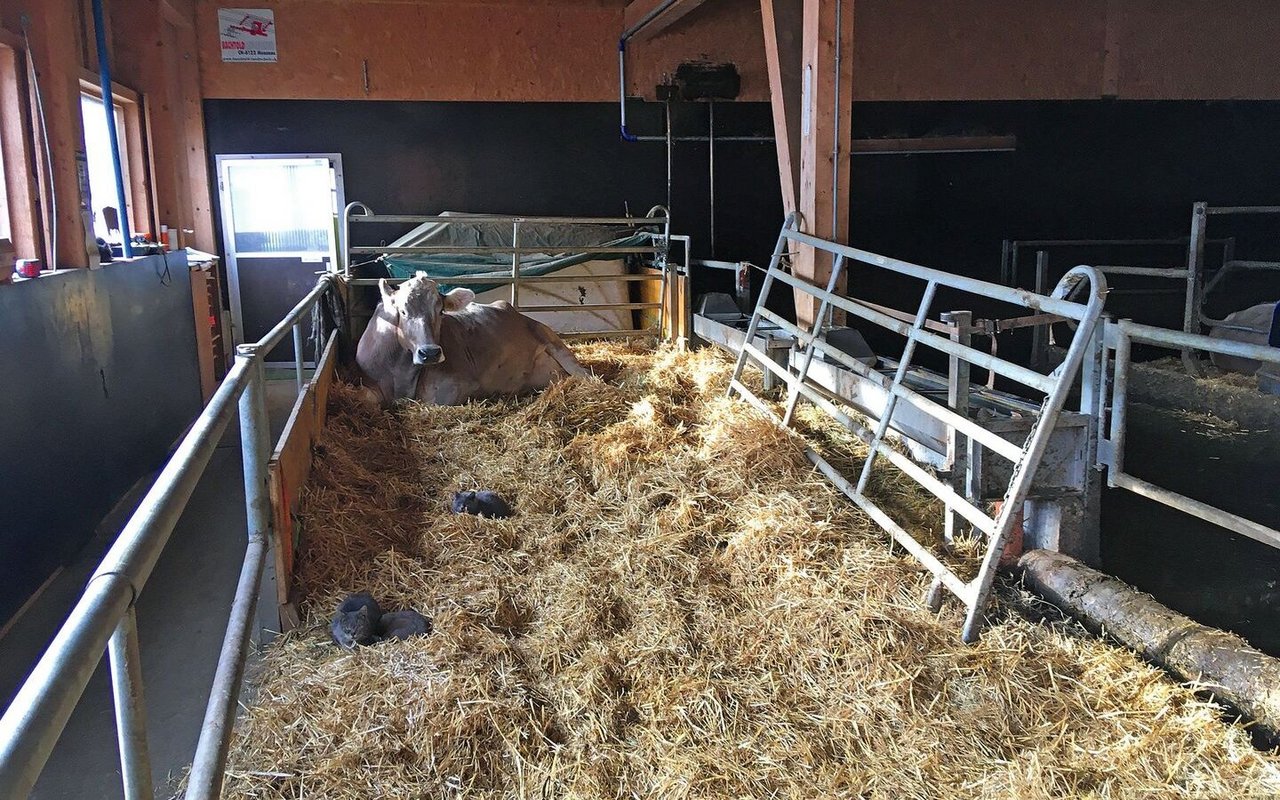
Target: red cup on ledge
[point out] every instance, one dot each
(29, 267)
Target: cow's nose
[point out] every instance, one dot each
(427, 354)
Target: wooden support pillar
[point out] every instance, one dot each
(55, 33)
(20, 183)
(783, 20)
(816, 112)
(159, 58)
(825, 140)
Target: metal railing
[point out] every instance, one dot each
(658, 249)
(1119, 337)
(1197, 289)
(1192, 273)
(1186, 275)
(104, 616)
(1025, 458)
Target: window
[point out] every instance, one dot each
(102, 182)
(281, 205)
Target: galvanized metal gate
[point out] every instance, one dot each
(1120, 336)
(1025, 458)
(656, 224)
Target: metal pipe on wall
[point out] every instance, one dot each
(628, 136)
(669, 153)
(711, 167)
(104, 75)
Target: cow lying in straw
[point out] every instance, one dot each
(445, 349)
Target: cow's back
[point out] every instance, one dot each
(1250, 325)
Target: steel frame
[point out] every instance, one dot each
(1192, 273)
(659, 250)
(1025, 459)
(104, 616)
(1119, 337)
(1197, 289)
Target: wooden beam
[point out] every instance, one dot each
(12, 40)
(91, 83)
(15, 141)
(782, 21)
(637, 10)
(825, 141)
(936, 144)
(55, 38)
(199, 192)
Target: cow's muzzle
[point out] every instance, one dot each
(428, 354)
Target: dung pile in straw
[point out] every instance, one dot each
(681, 607)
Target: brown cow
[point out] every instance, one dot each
(445, 349)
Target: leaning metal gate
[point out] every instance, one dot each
(1024, 458)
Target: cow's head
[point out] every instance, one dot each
(416, 309)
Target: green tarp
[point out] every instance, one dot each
(555, 243)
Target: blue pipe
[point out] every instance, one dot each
(104, 76)
(627, 136)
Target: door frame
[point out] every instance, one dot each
(224, 217)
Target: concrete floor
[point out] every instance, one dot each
(182, 616)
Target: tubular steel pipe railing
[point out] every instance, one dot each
(1026, 458)
(658, 217)
(104, 614)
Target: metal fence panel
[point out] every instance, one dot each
(918, 331)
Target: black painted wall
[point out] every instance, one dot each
(98, 378)
(522, 158)
(1081, 169)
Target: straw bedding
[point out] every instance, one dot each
(681, 607)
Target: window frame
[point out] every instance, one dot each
(133, 140)
(17, 141)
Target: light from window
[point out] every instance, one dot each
(102, 181)
(281, 208)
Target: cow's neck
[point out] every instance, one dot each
(389, 364)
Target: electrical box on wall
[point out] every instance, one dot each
(700, 80)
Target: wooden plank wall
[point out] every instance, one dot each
(565, 50)
(288, 471)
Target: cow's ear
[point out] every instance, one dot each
(458, 299)
(387, 293)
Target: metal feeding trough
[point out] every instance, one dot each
(719, 321)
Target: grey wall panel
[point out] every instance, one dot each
(98, 378)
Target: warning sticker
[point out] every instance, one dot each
(247, 34)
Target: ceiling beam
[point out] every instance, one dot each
(638, 10)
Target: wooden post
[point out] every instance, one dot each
(160, 60)
(826, 105)
(782, 20)
(55, 40)
(15, 142)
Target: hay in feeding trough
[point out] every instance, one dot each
(681, 607)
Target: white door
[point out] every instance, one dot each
(279, 231)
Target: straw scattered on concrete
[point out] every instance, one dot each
(680, 608)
